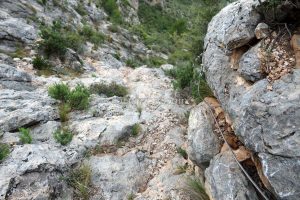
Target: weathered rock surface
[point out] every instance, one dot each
(225, 180)
(264, 119)
(118, 177)
(283, 175)
(250, 66)
(203, 144)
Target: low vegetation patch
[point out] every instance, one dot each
(25, 136)
(79, 97)
(63, 136)
(110, 90)
(91, 35)
(41, 63)
(59, 91)
(80, 180)
(194, 188)
(112, 9)
(4, 151)
(64, 110)
(182, 152)
(136, 129)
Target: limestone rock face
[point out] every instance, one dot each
(250, 65)
(225, 180)
(265, 117)
(203, 144)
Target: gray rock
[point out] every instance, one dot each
(29, 158)
(203, 144)
(225, 180)
(265, 120)
(283, 174)
(44, 132)
(250, 66)
(39, 185)
(10, 73)
(13, 29)
(234, 26)
(262, 30)
(118, 177)
(23, 108)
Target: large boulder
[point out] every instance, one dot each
(265, 117)
(203, 143)
(225, 180)
(119, 177)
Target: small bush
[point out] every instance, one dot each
(4, 151)
(194, 188)
(132, 63)
(183, 76)
(136, 129)
(25, 136)
(182, 152)
(63, 136)
(92, 35)
(56, 40)
(112, 9)
(80, 9)
(79, 97)
(64, 110)
(80, 180)
(59, 92)
(40, 63)
(109, 90)
(155, 61)
(114, 28)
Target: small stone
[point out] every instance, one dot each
(262, 31)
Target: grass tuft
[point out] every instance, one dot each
(110, 90)
(63, 136)
(195, 189)
(25, 136)
(182, 152)
(4, 151)
(136, 129)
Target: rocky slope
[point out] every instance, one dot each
(127, 147)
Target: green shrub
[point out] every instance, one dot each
(110, 90)
(42, 2)
(183, 76)
(194, 188)
(25, 136)
(59, 91)
(63, 136)
(114, 28)
(92, 35)
(136, 129)
(132, 63)
(80, 180)
(112, 9)
(80, 9)
(56, 40)
(155, 61)
(180, 26)
(200, 89)
(4, 151)
(64, 110)
(182, 152)
(40, 63)
(79, 97)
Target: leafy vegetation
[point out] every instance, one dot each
(136, 129)
(80, 180)
(182, 152)
(112, 9)
(4, 151)
(25, 136)
(91, 35)
(110, 90)
(195, 189)
(63, 136)
(40, 63)
(64, 110)
(59, 91)
(79, 97)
